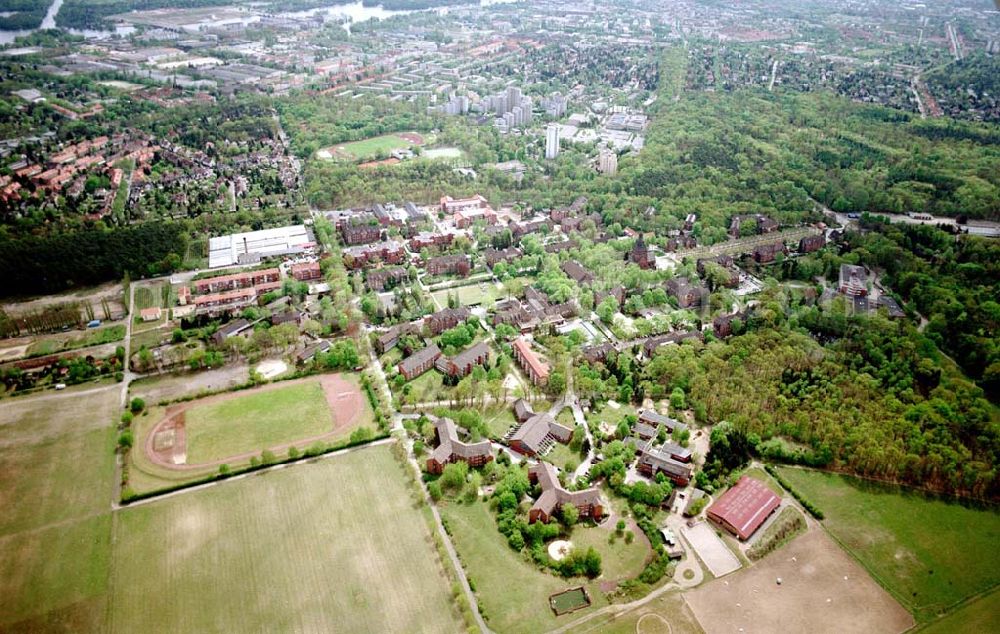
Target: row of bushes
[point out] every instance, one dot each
(294, 455)
(806, 504)
(780, 533)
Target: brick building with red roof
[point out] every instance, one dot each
(744, 507)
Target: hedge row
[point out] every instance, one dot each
(806, 504)
(129, 497)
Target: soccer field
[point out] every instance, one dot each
(373, 147)
(335, 545)
(251, 422)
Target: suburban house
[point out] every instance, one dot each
(618, 293)
(587, 502)
(744, 507)
(451, 449)
(537, 435)
(597, 353)
(655, 419)
(152, 313)
(764, 224)
(388, 252)
(310, 352)
(231, 329)
(556, 247)
(522, 410)
(495, 256)
(462, 363)
(419, 362)
(768, 252)
(535, 368)
(427, 239)
(724, 261)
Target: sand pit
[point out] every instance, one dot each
(272, 368)
(559, 549)
(822, 589)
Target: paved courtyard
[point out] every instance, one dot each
(711, 549)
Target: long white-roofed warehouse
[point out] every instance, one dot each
(254, 246)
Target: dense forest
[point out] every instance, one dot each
(44, 264)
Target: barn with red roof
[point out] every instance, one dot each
(744, 507)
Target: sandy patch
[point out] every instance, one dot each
(271, 368)
(559, 549)
(822, 590)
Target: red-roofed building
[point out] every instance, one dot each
(744, 507)
(536, 370)
(306, 271)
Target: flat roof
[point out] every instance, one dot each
(234, 248)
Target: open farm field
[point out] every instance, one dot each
(930, 554)
(334, 545)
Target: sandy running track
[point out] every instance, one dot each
(344, 398)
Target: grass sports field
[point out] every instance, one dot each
(373, 147)
(255, 421)
(929, 553)
(233, 427)
(335, 545)
(56, 482)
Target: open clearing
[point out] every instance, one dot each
(56, 478)
(981, 615)
(512, 593)
(929, 553)
(823, 590)
(666, 614)
(168, 387)
(331, 546)
(369, 148)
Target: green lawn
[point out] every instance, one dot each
(56, 484)
(974, 618)
(513, 593)
(256, 421)
(930, 554)
(335, 545)
(91, 337)
(469, 295)
(619, 561)
(560, 455)
(759, 474)
(370, 148)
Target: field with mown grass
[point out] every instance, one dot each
(929, 553)
(334, 545)
(56, 485)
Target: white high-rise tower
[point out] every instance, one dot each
(552, 141)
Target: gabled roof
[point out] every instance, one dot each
(450, 445)
(553, 493)
(745, 506)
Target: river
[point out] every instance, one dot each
(349, 13)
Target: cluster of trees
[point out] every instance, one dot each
(55, 262)
(953, 284)
(871, 402)
(25, 14)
